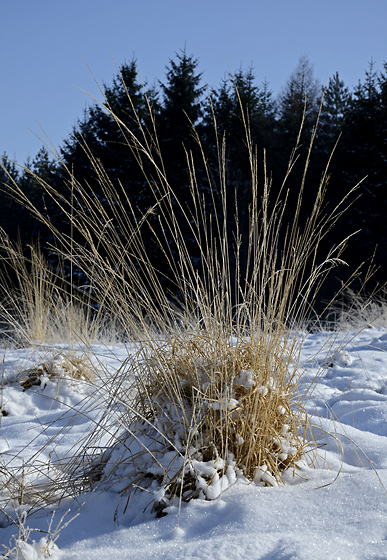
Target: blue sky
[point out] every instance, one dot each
(46, 47)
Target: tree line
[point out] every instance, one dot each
(354, 122)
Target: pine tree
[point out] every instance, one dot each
(180, 110)
(104, 136)
(336, 105)
(182, 94)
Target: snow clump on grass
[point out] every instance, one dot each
(207, 410)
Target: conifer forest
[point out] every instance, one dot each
(349, 125)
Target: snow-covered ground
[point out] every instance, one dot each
(336, 509)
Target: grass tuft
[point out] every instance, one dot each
(39, 305)
(212, 392)
(207, 408)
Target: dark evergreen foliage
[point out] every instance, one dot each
(180, 110)
(9, 210)
(356, 119)
(363, 158)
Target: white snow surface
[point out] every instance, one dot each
(334, 509)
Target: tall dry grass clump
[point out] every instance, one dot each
(39, 305)
(212, 392)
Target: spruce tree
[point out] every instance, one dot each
(241, 109)
(331, 133)
(106, 137)
(181, 109)
(101, 151)
(337, 101)
(239, 104)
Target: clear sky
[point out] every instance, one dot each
(46, 46)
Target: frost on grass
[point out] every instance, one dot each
(23, 547)
(22, 550)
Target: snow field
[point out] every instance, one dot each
(336, 509)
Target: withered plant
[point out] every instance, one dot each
(212, 391)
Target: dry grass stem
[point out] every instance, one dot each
(213, 392)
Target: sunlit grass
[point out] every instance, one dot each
(213, 390)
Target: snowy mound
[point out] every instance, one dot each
(336, 508)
